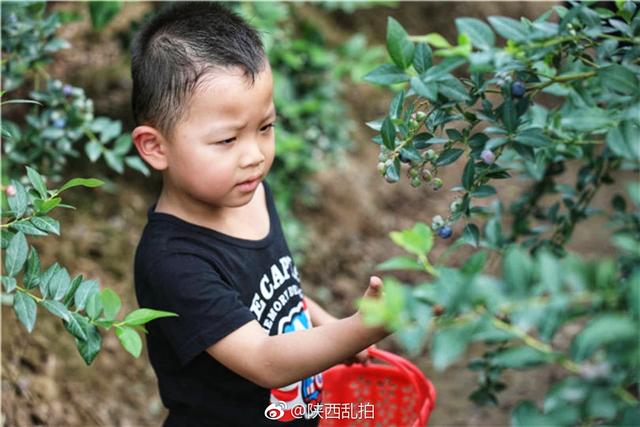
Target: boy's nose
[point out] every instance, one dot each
(252, 156)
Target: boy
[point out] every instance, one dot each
(247, 346)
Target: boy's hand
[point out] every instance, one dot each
(374, 290)
(362, 357)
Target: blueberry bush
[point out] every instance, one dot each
(26, 285)
(57, 120)
(552, 105)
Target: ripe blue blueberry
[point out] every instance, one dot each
(59, 123)
(518, 89)
(445, 232)
(67, 90)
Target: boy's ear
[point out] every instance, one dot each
(151, 146)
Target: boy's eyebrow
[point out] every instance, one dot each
(232, 126)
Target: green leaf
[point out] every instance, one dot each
(27, 228)
(633, 295)
(468, 174)
(623, 140)
(400, 263)
(453, 89)
(129, 339)
(509, 116)
(16, 254)
(94, 307)
(75, 284)
(508, 28)
(479, 33)
(586, 119)
(484, 191)
(517, 268)
(527, 414)
(387, 310)
(114, 161)
(90, 347)
(475, 264)
(44, 206)
(59, 284)
(110, 303)
(20, 201)
(85, 290)
(135, 162)
(388, 133)
(45, 278)
(75, 326)
(395, 109)
(56, 308)
(37, 182)
(47, 224)
(619, 79)
(122, 145)
(26, 310)
(426, 90)
(417, 240)
(435, 40)
(32, 270)
(144, 315)
(94, 150)
(449, 156)
(471, 235)
(601, 331)
(449, 344)
(422, 58)
(385, 75)
(85, 182)
(521, 357)
(400, 48)
(9, 284)
(103, 12)
(533, 137)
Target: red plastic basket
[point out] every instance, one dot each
(400, 394)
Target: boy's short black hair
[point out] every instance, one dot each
(176, 47)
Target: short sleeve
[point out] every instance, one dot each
(208, 308)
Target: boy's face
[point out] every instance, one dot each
(225, 139)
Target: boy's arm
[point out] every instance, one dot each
(279, 360)
(318, 315)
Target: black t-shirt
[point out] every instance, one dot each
(217, 283)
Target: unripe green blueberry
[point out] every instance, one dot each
(455, 205)
(420, 116)
(382, 157)
(382, 168)
(430, 154)
(388, 163)
(413, 172)
(416, 181)
(413, 125)
(437, 222)
(437, 184)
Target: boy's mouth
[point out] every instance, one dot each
(250, 180)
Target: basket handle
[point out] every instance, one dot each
(413, 373)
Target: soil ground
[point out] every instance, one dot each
(44, 380)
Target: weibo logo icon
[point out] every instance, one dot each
(275, 411)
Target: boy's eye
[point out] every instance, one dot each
(267, 127)
(225, 142)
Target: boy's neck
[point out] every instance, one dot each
(190, 210)
(242, 222)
